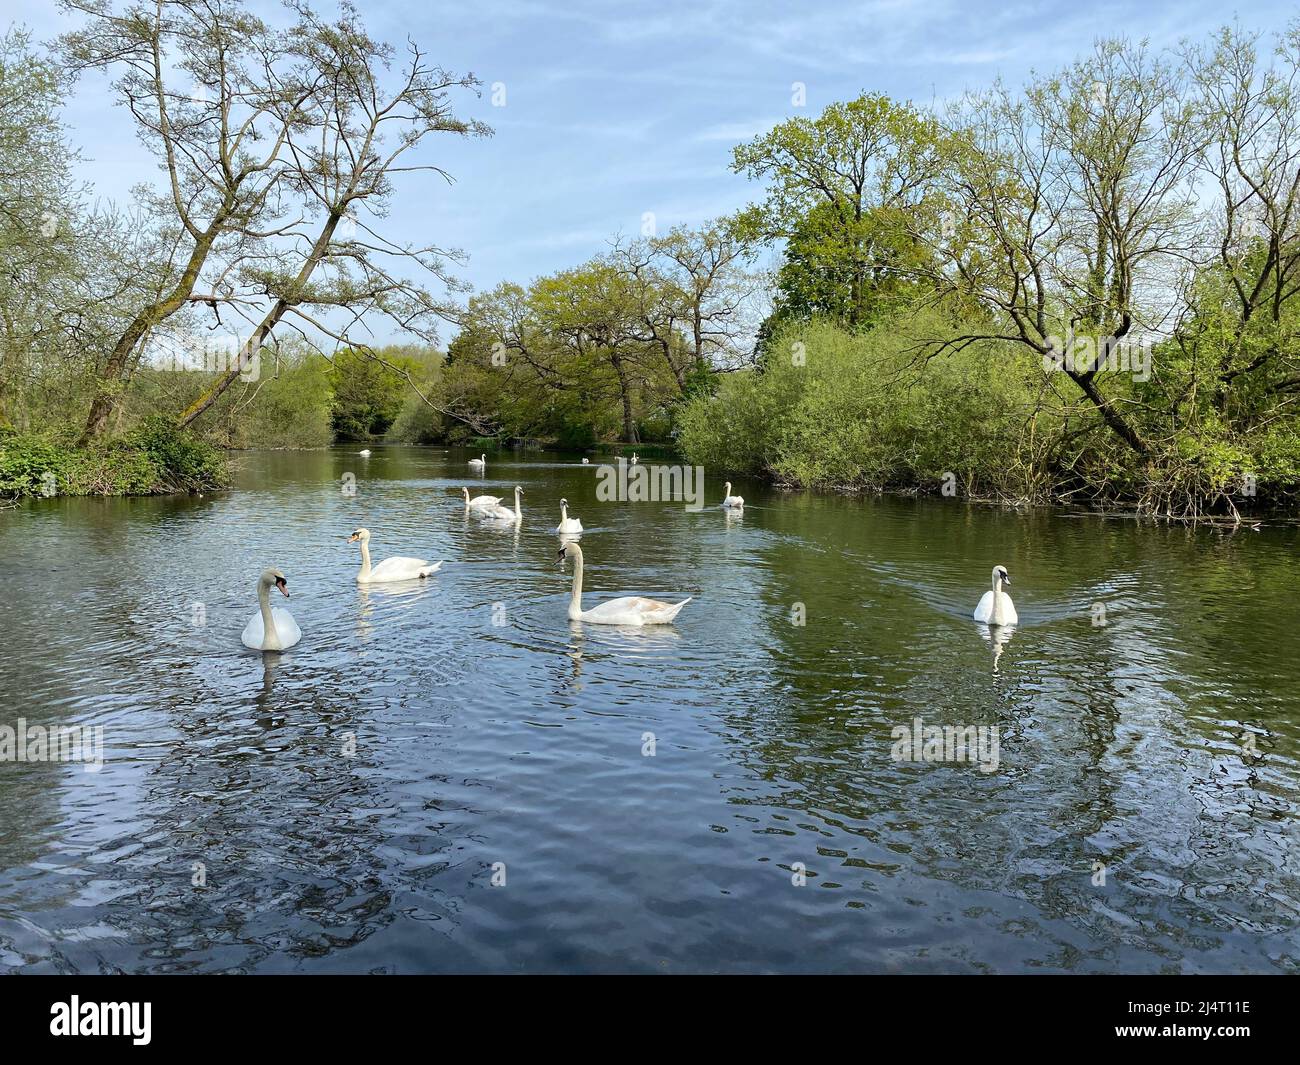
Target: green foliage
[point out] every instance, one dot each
(368, 395)
(154, 458)
(832, 408)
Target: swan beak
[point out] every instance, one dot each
(1006, 578)
(283, 585)
(353, 538)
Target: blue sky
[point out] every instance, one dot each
(616, 109)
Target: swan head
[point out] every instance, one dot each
(518, 491)
(726, 489)
(564, 502)
(1000, 574)
(568, 549)
(361, 534)
(466, 491)
(275, 577)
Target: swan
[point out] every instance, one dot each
(586, 462)
(628, 610)
(730, 500)
(479, 463)
(567, 524)
(480, 502)
(271, 630)
(503, 513)
(365, 453)
(635, 460)
(996, 607)
(397, 568)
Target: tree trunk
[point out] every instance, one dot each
(101, 407)
(268, 323)
(629, 426)
(1109, 414)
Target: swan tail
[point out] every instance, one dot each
(429, 571)
(668, 615)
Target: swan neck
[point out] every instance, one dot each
(270, 638)
(519, 514)
(365, 561)
(575, 601)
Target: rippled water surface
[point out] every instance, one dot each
(491, 734)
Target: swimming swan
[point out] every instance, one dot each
(271, 630)
(397, 568)
(480, 502)
(503, 513)
(364, 453)
(479, 463)
(628, 610)
(586, 462)
(567, 524)
(996, 607)
(732, 501)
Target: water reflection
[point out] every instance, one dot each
(998, 636)
(348, 800)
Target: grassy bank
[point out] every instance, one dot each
(153, 459)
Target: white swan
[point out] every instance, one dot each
(480, 502)
(503, 513)
(635, 460)
(586, 462)
(996, 607)
(397, 568)
(364, 453)
(730, 500)
(271, 630)
(567, 524)
(479, 463)
(627, 610)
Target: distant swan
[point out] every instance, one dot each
(503, 513)
(567, 524)
(730, 500)
(397, 568)
(996, 607)
(364, 453)
(480, 502)
(635, 460)
(586, 462)
(479, 463)
(271, 630)
(627, 610)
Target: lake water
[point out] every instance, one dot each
(720, 795)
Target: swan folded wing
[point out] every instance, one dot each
(634, 610)
(485, 501)
(400, 568)
(984, 611)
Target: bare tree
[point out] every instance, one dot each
(1066, 206)
(332, 280)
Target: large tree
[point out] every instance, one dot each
(838, 186)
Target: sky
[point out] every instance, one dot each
(618, 109)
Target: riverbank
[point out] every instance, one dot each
(155, 458)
